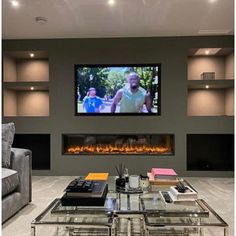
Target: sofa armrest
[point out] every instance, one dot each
(21, 162)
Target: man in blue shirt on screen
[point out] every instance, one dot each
(92, 103)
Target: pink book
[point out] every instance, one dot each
(163, 173)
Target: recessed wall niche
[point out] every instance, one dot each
(20, 66)
(26, 102)
(213, 152)
(39, 144)
(26, 83)
(211, 102)
(210, 82)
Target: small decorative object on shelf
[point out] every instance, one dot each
(134, 181)
(120, 181)
(208, 75)
(165, 196)
(126, 175)
(144, 182)
(182, 193)
(120, 184)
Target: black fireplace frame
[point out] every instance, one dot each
(116, 154)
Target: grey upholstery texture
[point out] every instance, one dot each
(21, 162)
(8, 132)
(13, 202)
(10, 205)
(10, 181)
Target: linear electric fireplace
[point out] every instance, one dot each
(118, 144)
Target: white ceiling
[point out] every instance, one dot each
(126, 18)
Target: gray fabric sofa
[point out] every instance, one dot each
(16, 183)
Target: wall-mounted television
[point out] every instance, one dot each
(128, 89)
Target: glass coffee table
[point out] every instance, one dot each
(130, 214)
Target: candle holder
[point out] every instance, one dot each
(120, 184)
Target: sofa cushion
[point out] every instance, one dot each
(10, 181)
(8, 131)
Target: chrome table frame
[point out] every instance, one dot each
(194, 220)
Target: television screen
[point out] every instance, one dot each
(117, 89)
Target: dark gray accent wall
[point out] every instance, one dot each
(171, 52)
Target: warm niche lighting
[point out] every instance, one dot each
(32, 88)
(31, 55)
(207, 86)
(111, 2)
(15, 3)
(207, 51)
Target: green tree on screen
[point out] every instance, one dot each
(88, 77)
(115, 81)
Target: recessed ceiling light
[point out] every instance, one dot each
(41, 20)
(31, 55)
(15, 3)
(31, 88)
(212, 1)
(207, 86)
(207, 51)
(111, 2)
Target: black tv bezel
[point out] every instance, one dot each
(118, 65)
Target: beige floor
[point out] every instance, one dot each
(218, 192)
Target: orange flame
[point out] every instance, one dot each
(116, 149)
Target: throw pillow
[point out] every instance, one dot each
(8, 131)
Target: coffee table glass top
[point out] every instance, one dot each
(150, 205)
(167, 214)
(109, 207)
(135, 204)
(70, 218)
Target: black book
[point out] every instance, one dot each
(90, 200)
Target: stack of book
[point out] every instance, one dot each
(162, 177)
(85, 193)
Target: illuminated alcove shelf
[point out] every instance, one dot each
(210, 97)
(25, 83)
